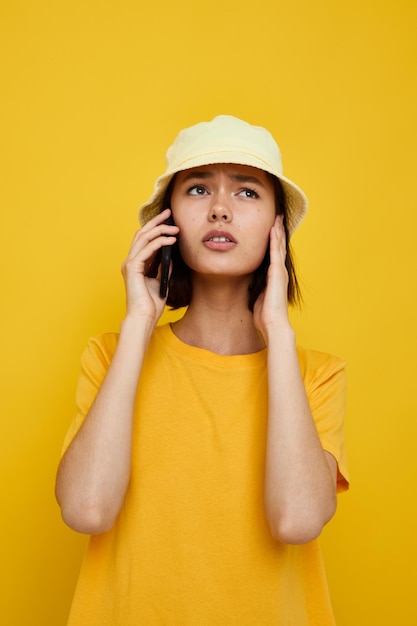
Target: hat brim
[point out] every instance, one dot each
(295, 199)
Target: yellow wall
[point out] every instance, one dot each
(93, 92)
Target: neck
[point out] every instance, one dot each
(218, 319)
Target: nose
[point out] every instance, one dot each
(220, 210)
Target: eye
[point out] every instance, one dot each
(249, 193)
(197, 190)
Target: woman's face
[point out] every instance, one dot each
(224, 213)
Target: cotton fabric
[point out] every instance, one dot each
(191, 545)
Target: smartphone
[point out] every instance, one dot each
(165, 261)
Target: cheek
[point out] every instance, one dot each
(261, 243)
(258, 253)
(187, 243)
(184, 247)
(263, 230)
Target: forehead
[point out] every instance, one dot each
(234, 171)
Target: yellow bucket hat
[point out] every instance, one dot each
(226, 139)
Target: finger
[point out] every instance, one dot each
(141, 256)
(153, 238)
(160, 218)
(278, 240)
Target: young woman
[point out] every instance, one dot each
(205, 456)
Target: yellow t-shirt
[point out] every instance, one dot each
(191, 546)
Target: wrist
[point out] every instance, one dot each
(280, 332)
(137, 328)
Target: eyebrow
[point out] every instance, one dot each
(241, 178)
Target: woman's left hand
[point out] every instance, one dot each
(271, 307)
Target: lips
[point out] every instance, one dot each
(219, 236)
(219, 240)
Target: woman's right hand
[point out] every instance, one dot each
(142, 291)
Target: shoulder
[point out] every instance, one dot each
(314, 363)
(100, 349)
(320, 369)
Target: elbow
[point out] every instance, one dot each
(86, 522)
(85, 518)
(294, 532)
(298, 528)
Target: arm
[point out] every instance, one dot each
(94, 472)
(300, 477)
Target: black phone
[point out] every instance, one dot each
(165, 261)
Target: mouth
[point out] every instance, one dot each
(219, 237)
(219, 240)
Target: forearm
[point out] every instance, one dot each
(300, 493)
(94, 473)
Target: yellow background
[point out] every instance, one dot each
(92, 95)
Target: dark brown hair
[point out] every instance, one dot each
(180, 284)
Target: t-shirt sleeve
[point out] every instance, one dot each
(95, 362)
(325, 382)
